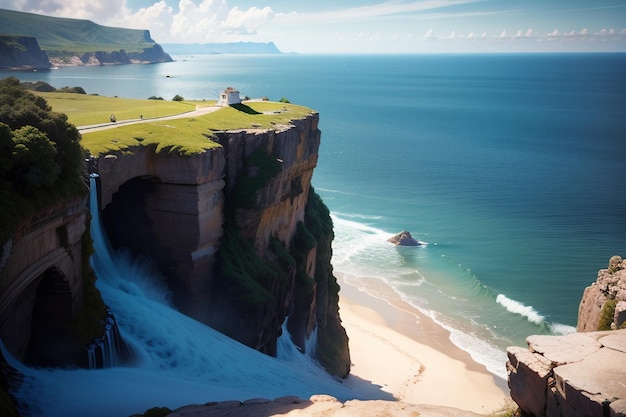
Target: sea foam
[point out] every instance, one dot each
(517, 307)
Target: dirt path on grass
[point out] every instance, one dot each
(199, 111)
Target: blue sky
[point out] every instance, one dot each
(364, 26)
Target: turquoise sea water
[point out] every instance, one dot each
(511, 167)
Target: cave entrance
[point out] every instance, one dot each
(51, 339)
(129, 223)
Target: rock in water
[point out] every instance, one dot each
(404, 238)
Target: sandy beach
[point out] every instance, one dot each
(398, 353)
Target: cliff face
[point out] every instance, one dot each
(170, 207)
(22, 53)
(151, 55)
(603, 306)
(42, 286)
(580, 374)
(236, 230)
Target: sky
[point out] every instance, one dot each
(363, 26)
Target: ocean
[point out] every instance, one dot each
(510, 166)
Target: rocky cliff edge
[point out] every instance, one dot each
(583, 373)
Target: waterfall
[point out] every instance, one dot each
(177, 360)
(310, 344)
(106, 351)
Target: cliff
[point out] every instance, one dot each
(580, 374)
(44, 285)
(78, 42)
(22, 53)
(603, 305)
(148, 55)
(237, 231)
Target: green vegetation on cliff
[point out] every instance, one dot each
(185, 135)
(40, 156)
(86, 109)
(266, 167)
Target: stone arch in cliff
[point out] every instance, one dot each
(51, 325)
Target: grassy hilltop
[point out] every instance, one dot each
(186, 135)
(56, 35)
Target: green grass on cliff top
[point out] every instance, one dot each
(83, 109)
(186, 136)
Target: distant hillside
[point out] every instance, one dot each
(22, 53)
(82, 42)
(222, 48)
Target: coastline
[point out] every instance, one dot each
(398, 353)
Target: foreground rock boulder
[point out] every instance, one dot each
(316, 406)
(580, 374)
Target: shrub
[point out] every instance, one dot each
(284, 100)
(606, 315)
(33, 158)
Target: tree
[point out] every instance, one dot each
(19, 108)
(34, 158)
(178, 98)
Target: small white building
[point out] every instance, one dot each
(228, 97)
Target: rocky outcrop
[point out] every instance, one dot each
(316, 406)
(150, 55)
(22, 53)
(581, 374)
(404, 238)
(603, 304)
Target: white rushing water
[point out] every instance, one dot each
(179, 361)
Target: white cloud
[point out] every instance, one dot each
(429, 34)
(77, 9)
(359, 13)
(250, 19)
(189, 21)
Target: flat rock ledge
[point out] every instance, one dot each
(580, 374)
(316, 406)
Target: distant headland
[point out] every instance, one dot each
(36, 42)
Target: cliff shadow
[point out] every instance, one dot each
(244, 108)
(367, 389)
